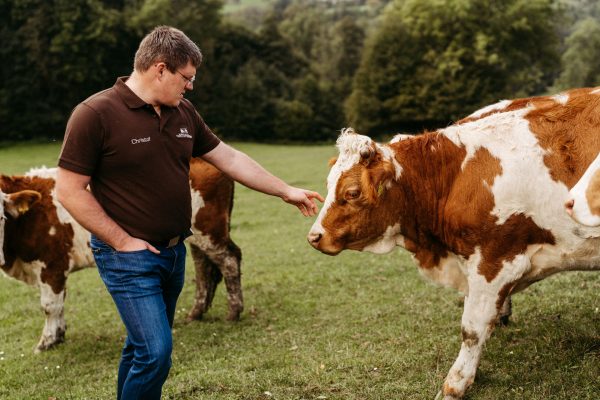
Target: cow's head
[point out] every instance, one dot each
(583, 204)
(13, 205)
(355, 215)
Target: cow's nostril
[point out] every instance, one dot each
(569, 206)
(313, 238)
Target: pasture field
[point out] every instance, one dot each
(355, 326)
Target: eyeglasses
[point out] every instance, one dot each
(187, 80)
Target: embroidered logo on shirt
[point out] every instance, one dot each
(140, 140)
(183, 133)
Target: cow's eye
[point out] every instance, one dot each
(352, 194)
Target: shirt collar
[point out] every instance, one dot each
(127, 95)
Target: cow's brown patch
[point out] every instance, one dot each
(469, 338)
(217, 192)
(26, 237)
(570, 134)
(448, 390)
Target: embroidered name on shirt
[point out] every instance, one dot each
(183, 133)
(140, 140)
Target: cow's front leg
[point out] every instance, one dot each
(54, 329)
(481, 311)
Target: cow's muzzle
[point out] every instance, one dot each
(317, 241)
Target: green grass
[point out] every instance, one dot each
(355, 326)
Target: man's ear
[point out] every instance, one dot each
(20, 202)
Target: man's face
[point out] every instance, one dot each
(175, 84)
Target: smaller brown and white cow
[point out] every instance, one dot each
(479, 204)
(584, 198)
(41, 244)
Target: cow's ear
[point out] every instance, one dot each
(20, 202)
(378, 179)
(332, 161)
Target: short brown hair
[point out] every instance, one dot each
(169, 45)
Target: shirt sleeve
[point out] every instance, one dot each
(205, 139)
(82, 144)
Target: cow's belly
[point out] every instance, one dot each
(580, 255)
(28, 272)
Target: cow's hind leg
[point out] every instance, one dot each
(208, 276)
(231, 269)
(481, 312)
(55, 327)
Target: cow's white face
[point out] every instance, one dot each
(352, 216)
(584, 202)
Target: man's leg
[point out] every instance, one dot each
(137, 282)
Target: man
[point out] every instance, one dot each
(132, 144)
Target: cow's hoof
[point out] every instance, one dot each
(46, 345)
(440, 396)
(234, 314)
(196, 316)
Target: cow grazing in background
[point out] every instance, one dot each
(583, 204)
(41, 244)
(479, 204)
(215, 255)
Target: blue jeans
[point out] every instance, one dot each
(145, 287)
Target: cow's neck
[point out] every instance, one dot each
(430, 164)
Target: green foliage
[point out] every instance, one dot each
(357, 326)
(283, 70)
(59, 54)
(438, 60)
(579, 66)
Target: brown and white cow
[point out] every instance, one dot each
(479, 204)
(41, 244)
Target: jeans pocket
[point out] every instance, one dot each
(98, 246)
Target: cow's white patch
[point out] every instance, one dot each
(499, 106)
(387, 242)
(204, 242)
(595, 91)
(400, 137)
(388, 154)
(561, 98)
(449, 273)
(28, 272)
(581, 209)
(197, 201)
(52, 231)
(53, 306)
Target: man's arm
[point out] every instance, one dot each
(72, 193)
(248, 172)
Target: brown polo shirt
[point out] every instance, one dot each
(138, 161)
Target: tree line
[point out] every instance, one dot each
(306, 68)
